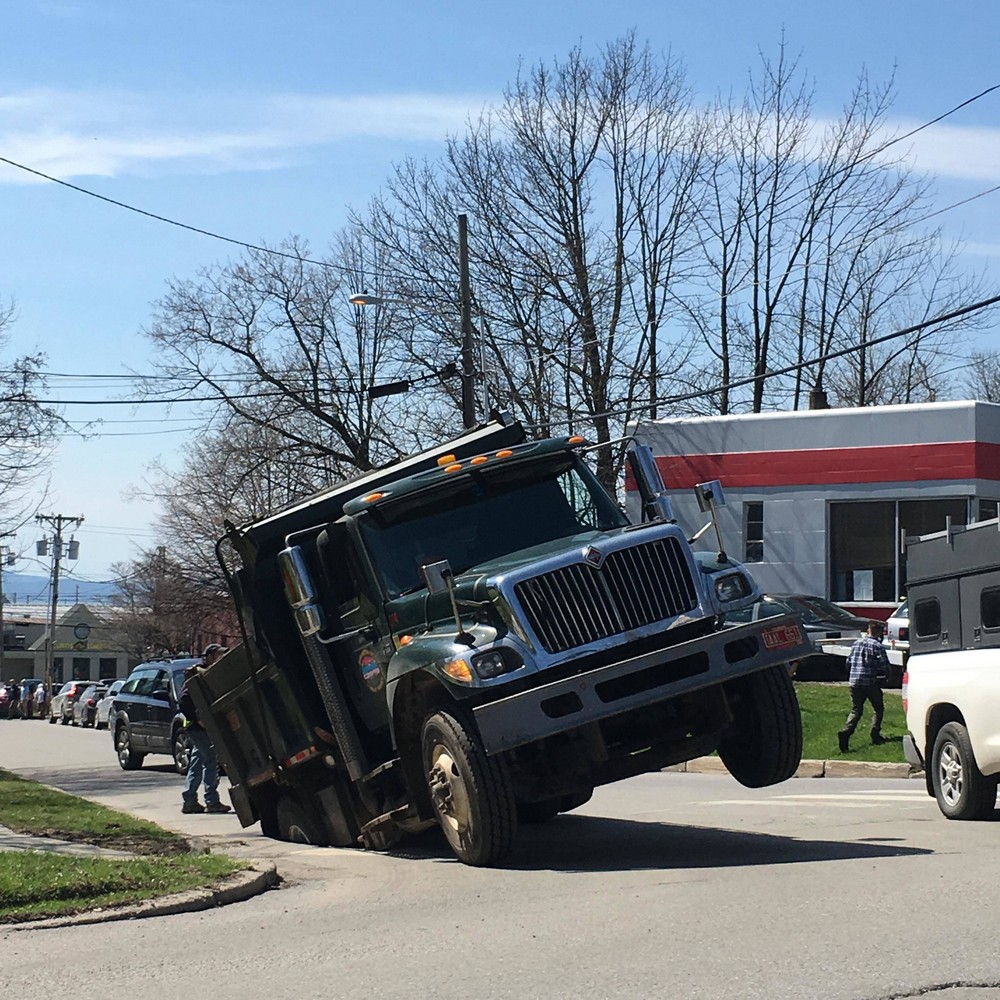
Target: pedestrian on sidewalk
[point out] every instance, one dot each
(869, 670)
(203, 768)
(40, 696)
(14, 694)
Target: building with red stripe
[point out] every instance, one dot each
(818, 501)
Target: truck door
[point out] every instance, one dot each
(362, 659)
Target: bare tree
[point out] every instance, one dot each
(163, 606)
(27, 430)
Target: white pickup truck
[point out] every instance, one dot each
(951, 688)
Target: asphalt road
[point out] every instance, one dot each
(669, 885)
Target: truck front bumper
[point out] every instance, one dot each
(636, 683)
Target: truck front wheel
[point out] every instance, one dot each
(471, 793)
(297, 823)
(763, 744)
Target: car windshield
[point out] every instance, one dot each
(817, 609)
(482, 515)
(903, 611)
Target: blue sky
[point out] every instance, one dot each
(259, 120)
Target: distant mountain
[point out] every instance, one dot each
(23, 588)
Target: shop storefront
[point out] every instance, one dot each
(820, 501)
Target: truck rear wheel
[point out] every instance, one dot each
(471, 793)
(961, 789)
(296, 822)
(763, 744)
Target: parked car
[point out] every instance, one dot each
(825, 624)
(85, 707)
(61, 706)
(897, 628)
(105, 707)
(147, 719)
(9, 695)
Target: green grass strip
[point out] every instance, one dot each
(35, 884)
(30, 808)
(824, 710)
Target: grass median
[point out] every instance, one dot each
(824, 709)
(35, 884)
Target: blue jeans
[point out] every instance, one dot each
(204, 768)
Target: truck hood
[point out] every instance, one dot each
(420, 609)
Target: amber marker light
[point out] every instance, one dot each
(454, 467)
(575, 439)
(479, 460)
(506, 453)
(459, 670)
(405, 640)
(446, 459)
(372, 497)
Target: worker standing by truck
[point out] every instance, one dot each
(204, 766)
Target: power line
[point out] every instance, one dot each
(173, 222)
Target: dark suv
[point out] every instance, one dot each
(147, 719)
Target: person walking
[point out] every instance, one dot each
(14, 694)
(40, 695)
(869, 670)
(203, 768)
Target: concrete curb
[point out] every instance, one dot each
(261, 876)
(813, 768)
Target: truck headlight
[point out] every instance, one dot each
(731, 587)
(497, 661)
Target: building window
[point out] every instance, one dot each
(57, 670)
(107, 668)
(753, 531)
(987, 509)
(867, 559)
(81, 668)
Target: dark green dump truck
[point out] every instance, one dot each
(477, 637)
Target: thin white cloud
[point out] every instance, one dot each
(108, 133)
(71, 135)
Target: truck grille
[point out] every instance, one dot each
(580, 604)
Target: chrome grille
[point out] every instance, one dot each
(580, 604)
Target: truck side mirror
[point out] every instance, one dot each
(436, 575)
(710, 495)
(652, 492)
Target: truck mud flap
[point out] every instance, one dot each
(644, 680)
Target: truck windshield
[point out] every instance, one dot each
(482, 515)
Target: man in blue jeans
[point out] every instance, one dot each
(204, 767)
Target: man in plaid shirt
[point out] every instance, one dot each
(869, 668)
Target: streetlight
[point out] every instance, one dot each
(468, 372)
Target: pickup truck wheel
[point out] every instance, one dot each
(471, 793)
(181, 747)
(297, 823)
(763, 744)
(961, 789)
(128, 759)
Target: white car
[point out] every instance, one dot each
(104, 707)
(897, 629)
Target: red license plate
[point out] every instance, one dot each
(782, 636)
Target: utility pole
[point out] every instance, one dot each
(468, 358)
(57, 522)
(8, 556)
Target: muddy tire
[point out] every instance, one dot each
(763, 744)
(470, 792)
(297, 822)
